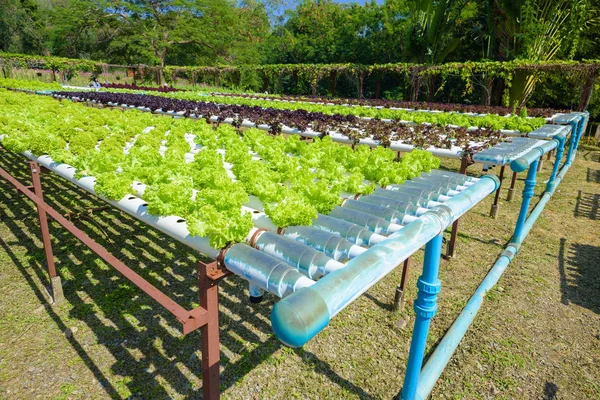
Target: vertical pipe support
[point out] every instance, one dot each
(574, 141)
(401, 289)
(55, 282)
(528, 192)
(494, 209)
(510, 193)
(580, 132)
(464, 163)
(425, 308)
(560, 149)
(209, 332)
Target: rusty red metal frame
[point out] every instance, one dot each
(205, 317)
(465, 161)
(401, 289)
(494, 210)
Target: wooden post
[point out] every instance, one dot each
(586, 92)
(511, 190)
(361, 79)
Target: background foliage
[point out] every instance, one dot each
(431, 50)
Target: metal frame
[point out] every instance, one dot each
(204, 317)
(465, 162)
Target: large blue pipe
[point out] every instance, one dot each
(447, 346)
(300, 316)
(425, 308)
(560, 150)
(521, 163)
(528, 192)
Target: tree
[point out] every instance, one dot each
(80, 29)
(158, 29)
(537, 31)
(20, 28)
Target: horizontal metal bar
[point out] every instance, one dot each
(182, 315)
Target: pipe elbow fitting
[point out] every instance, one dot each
(522, 163)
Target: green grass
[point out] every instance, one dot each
(536, 329)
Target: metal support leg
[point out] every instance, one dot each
(494, 210)
(425, 308)
(209, 300)
(454, 233)
(55, 283)
(401, 289)
(511, 191)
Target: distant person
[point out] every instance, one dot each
(95, 84)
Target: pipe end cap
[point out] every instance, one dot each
(299, 317)
(519, 165)
(493, 178)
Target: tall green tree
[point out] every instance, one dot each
(203, 32)
(21, 29)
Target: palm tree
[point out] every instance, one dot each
(431, 39)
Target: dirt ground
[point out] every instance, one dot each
(536, 337)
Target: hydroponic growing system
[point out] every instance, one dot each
(316, 249)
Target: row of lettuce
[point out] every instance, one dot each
(489, 121)
(313, 123)
(294, 180)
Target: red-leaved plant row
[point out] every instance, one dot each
(136, 87)
(421, 136)
(412, 105)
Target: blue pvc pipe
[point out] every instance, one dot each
(521, 163)
(580, 129)
(559, 154)
(575, 129)
(425, 308)
(443, 352)
(528, 193)
(299, 317)
(447, 346)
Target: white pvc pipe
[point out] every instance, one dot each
(171, 225)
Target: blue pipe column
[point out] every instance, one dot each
(560, 150)
(425, 308)
(447, 346)
(528, 193)
(580, 131)
(574, 133)
(440, 357)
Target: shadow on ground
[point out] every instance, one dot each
(580, 275)
(153, 358)
(587, 205)
(550, 391)
(593, 175)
